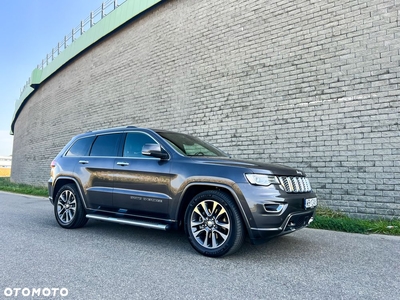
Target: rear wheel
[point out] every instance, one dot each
(213, 224)
(68, 208)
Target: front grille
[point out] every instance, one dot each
(295, 184)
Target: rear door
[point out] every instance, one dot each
(96, 171)
(142, 184)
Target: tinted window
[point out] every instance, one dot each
(81, 147)
(134, 143)
(189, 145)
(106, 145)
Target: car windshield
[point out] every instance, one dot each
(189, 145)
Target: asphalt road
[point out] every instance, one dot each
(111, 261)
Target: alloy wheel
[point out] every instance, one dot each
(66, 206)
(210, 224)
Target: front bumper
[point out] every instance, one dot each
(292, 223)
(273, 212)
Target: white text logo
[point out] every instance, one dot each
(39, 292)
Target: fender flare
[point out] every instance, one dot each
(223, 186)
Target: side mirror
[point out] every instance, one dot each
(154, 150)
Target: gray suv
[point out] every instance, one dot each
(168, 180)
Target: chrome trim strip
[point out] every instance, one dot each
(141, 193)
(278, 210)
(98, 210)
(267, 229)
(284, 223)
(129, 222)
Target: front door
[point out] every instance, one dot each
(142, 184)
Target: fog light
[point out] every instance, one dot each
(274, 207)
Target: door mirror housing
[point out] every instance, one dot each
(154, 150)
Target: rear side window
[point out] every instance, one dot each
(81, 147)
(106, 145)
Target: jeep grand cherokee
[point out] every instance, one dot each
(165, 180)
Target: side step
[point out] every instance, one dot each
(129, 222)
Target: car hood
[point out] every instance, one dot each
(252, 166)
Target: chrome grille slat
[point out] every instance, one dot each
(302, 187)
(293, 184)
(296, 184)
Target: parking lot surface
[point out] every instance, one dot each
(111, 261)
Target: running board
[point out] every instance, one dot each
(129, 222)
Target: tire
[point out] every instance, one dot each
(213, 224)
(68, 208)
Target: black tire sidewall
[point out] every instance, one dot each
(227, 203)
(77, 219)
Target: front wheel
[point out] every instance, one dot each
(68, 208)
(213, 224)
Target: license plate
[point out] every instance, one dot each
(310, 203)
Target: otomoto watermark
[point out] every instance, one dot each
(35, 292)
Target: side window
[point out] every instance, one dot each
(81, 147)
(134, 143)
(197, 149)
(106, 145)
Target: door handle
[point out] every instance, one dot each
(122, 164)
(83, 162)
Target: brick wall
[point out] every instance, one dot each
(310, 84)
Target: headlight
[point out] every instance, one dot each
(262, 179)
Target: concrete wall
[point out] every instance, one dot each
(310, 84)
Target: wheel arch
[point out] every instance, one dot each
(193, 189)
(61, 181)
